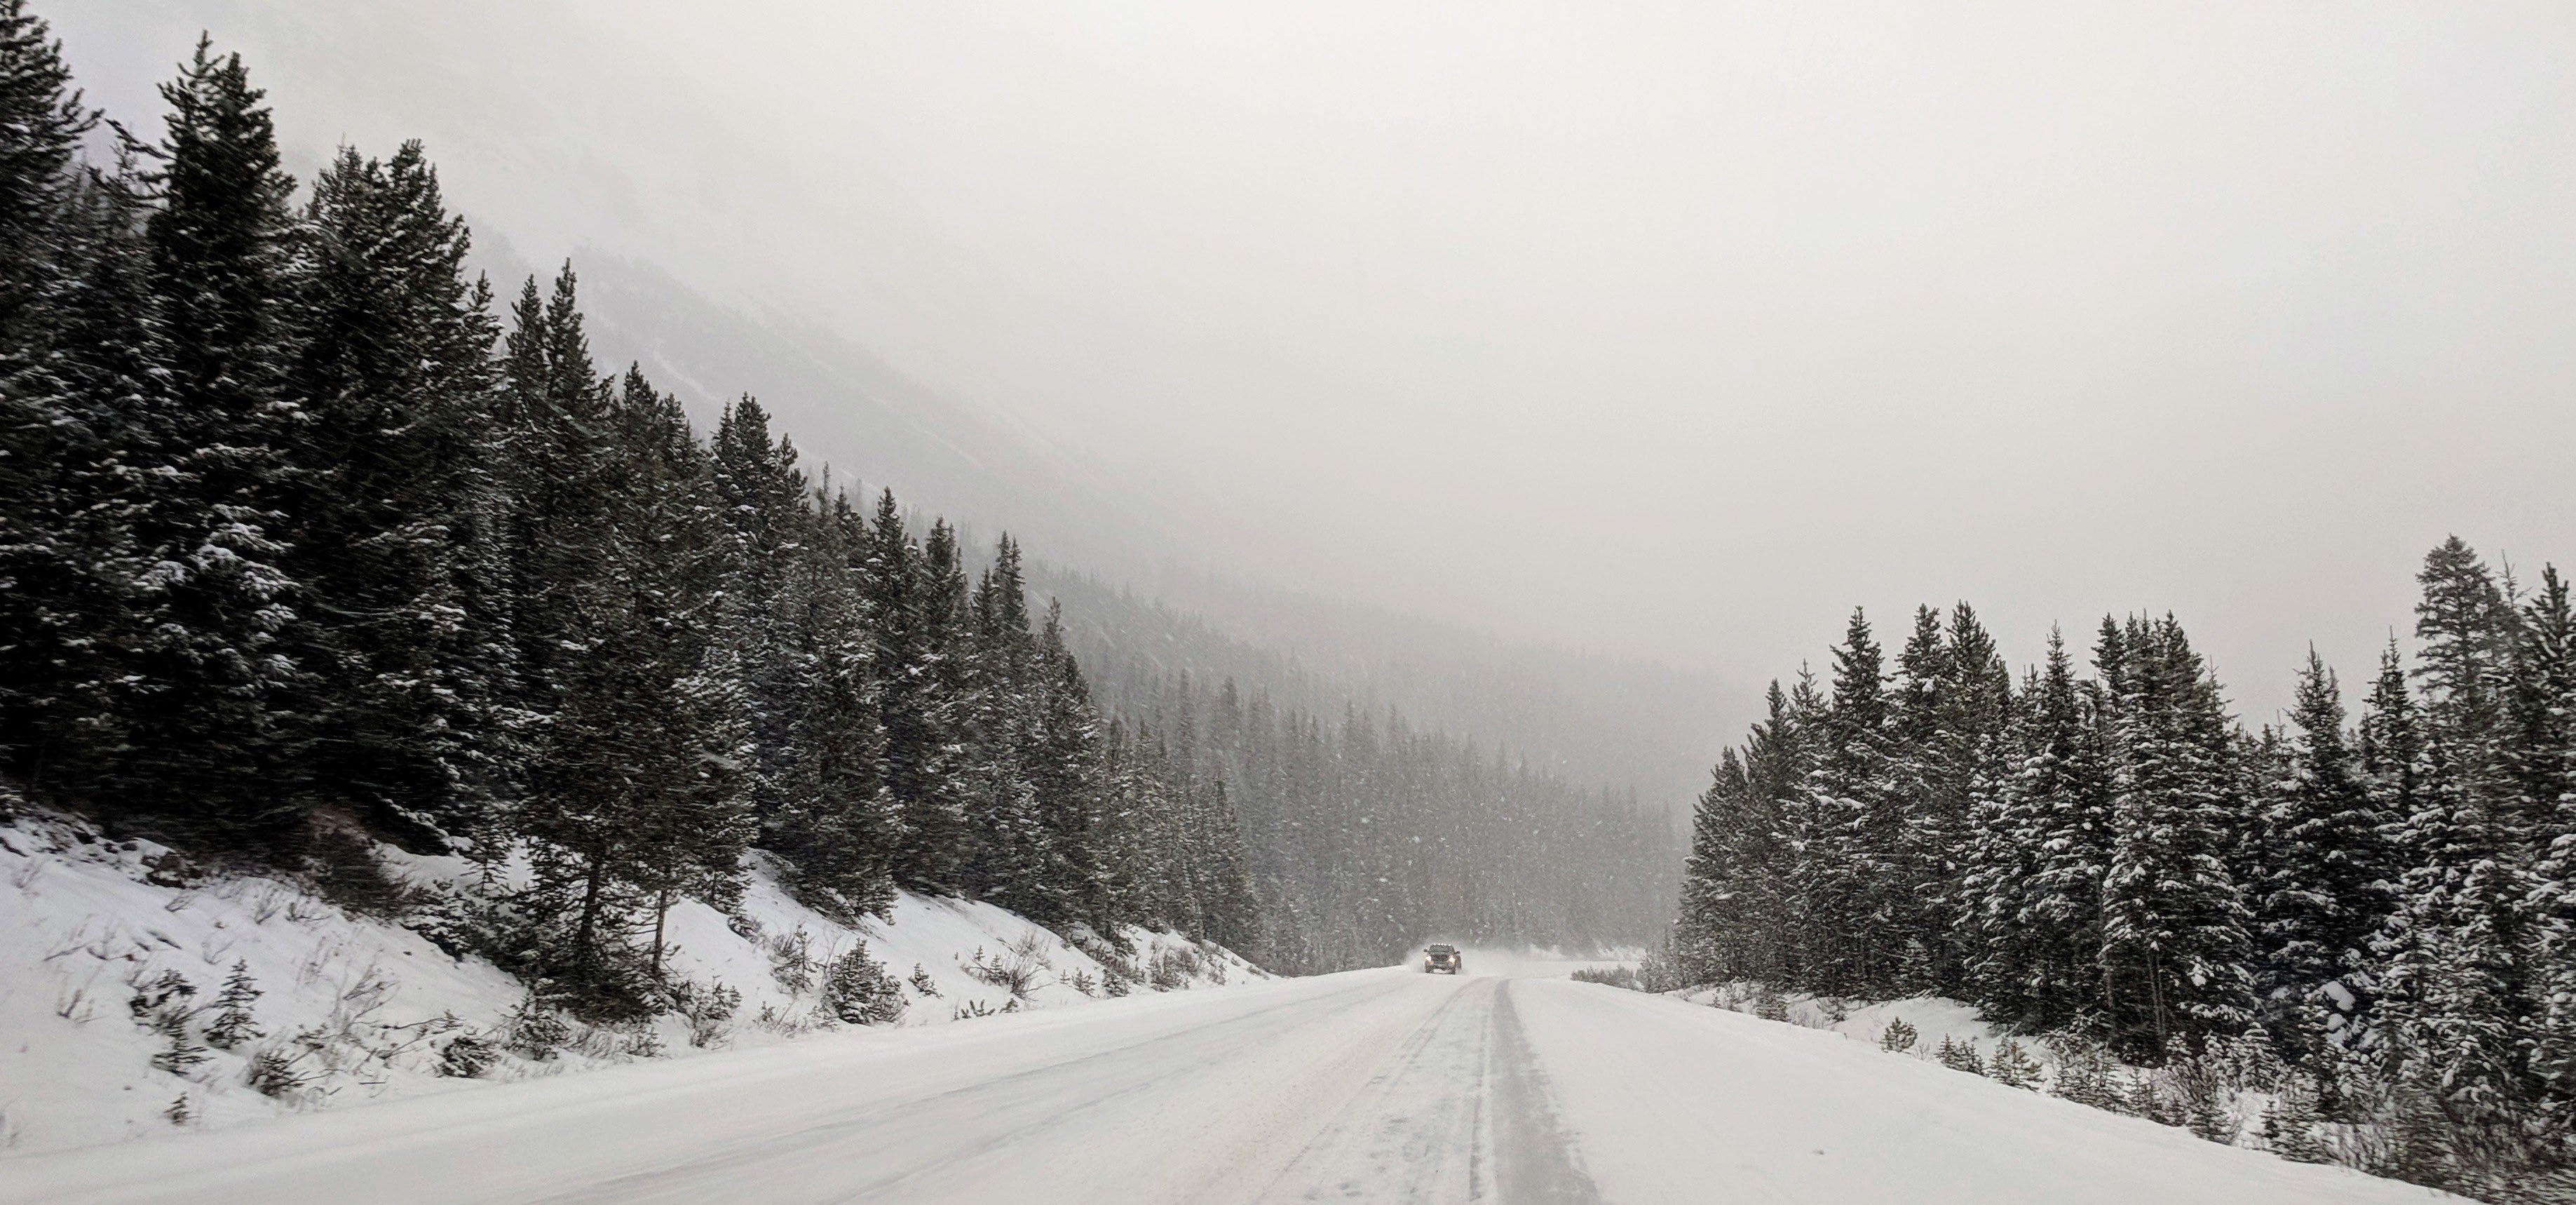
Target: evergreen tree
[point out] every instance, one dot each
(1737, 894)
(1008, 852)
(2039, 853)
(915, 595)
(2175, 953)
(201, 738)
(1848, 881)
(56, 440)
(2322, 868)
(2454, 963)
(554, 416)
(771, 527)
(2542, 756)
(396, 513)
(1067, 777)
(640, 798)
(42, 122)
(831, 817)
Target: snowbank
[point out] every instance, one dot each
(2242, 1082)
(114, 960)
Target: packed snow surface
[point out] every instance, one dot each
(1386, 1085)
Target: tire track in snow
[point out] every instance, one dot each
(1535, 1159)
(927, 1148)
(1462, 1114)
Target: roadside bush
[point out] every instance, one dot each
(467, 1056)
(1612, 976)
(1899, 1037)
(273, 1072)
(2013, 1067)
(857, 989)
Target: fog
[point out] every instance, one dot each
(1669, 331)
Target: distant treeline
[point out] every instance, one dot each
(1368, 836)
(2115, 857)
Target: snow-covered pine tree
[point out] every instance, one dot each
(54, 223)
(559, 425)
(1006, 857)
(832, 818)
(233, 1023)
(1069, 778)
(684, 725)
(916, 594)
(2454, 981)
(2038, 854)
(1736, 917)
(769, 524)
(1922, 794)
(636, 794)
(2323, 859)
(204, 740)
(2542, 755)
(1230, 913)
(1965, 757)
(2176, 954)
(395, 510)
(1851, 874)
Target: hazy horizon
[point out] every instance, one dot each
(1665, 331)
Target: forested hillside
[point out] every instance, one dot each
(1369, 830)
(1585, 717)
(301, 536)
(2113, 858)
(309, 533)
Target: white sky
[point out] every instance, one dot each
(1665, 329)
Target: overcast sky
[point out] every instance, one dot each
(1666, 329)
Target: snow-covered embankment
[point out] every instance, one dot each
(116, 958)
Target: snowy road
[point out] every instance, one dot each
(1370, 1086)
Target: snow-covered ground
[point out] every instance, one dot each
(1386, 1085)
(1943, 1028)
(353, 1008)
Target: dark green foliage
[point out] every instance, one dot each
(2175, 951)
(636, 796)
(827, 811)
(2013, 1066)
(233, 1023)
(42, 121)
(466, 1056)
(857, 989)
(2291, 1122)
(172, 363)
(274, 1072)
(1959, 1056)
(396, 511)
(2372, 922)
(2320, 868)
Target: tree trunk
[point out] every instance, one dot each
(585, 935)
(661, 914)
